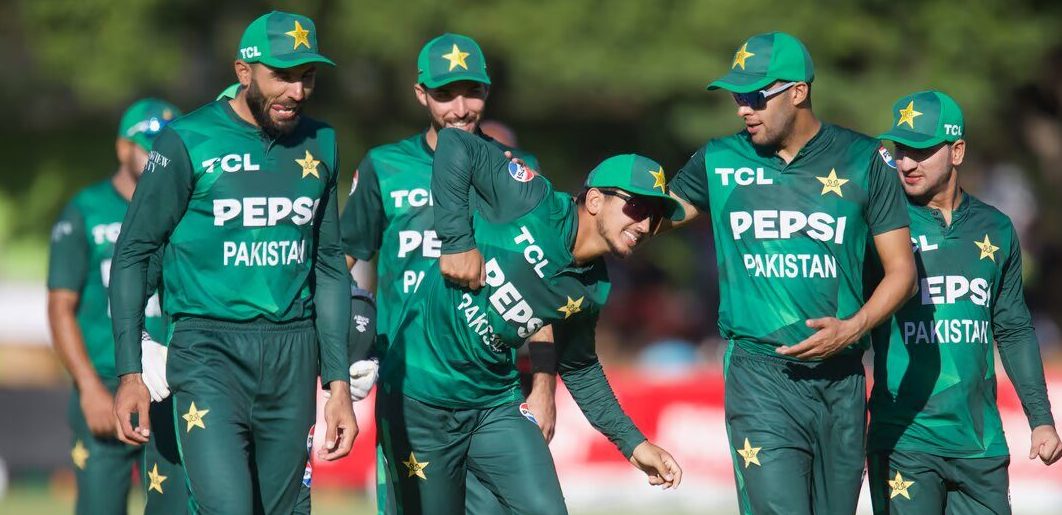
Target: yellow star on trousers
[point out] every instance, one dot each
(739, 58)
(897, 486)
(156, 479)
(987, 249)
(908, 114)
(572, 307)
(750, 454)
(659, 181)
(309, 165)
(456, 58)
(300, 34)
(416, 468)
(831, 183)
(194, 417)
(79, 454)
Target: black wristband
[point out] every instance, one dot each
(543, 357)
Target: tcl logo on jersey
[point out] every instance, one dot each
(948, 289)
(106, 233)
(427, 241)
(265, 211)
(231, 163)
(921, 244)
(771, 224)
(417, 197)
(743, 176)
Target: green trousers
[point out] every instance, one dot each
(430, 450)
(103, 467)
(164, 481)
(796, 433)
(904, 483)
(244, 405)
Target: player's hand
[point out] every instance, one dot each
(658, 464)
(363, 376)
(97, 405)
(132, 397)
(153, 361)
(340, 425)
(542, 402)
(831, 336)
(466, 269)
(1045, 444)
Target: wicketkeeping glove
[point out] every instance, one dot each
(363, 375)
(153, 361)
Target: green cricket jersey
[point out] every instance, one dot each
(81, 249)
(250, 227)
(456, 347)
(791, 238)
(390, 211)
(934, 371)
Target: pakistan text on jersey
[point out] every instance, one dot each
(264, 253)
(946, 331)
(814, 266)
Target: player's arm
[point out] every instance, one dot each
(886, 214)
(543, 397)
(468, 172)
(690, 188)
(67, 270)
(1020, 353)
(363, 218)
(585, 380)
(159, 202)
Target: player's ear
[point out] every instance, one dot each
(958, 152)
(801, 93)
(243, 72)
(421, 93)
(593, 201)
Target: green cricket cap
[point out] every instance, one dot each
(143, 120)
(766, 58)
(637, 175)
(925, 119)
(229, 92)
(281, 40)
(450, 58)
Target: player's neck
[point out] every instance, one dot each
(805, 127)
(431, 137)
(124, 183)
(947, 200)
(588, 245)
(240, 107)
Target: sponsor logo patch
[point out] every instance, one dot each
(520, 173)
(526, 412)
(887, 157)
(307, 474)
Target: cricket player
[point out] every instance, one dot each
(936, 442)
(449, 402)
(794, 202)
(242, 195)
(390, 212)
(78, 276)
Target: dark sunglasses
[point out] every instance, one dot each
(638, 208)
(758, 99)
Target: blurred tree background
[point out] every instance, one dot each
(578, 80)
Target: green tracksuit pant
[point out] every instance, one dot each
(103, 466)
(164, 481)
(904, 483)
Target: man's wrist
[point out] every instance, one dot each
(132, 377)
(339, 386)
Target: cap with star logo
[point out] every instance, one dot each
(281, 40)
(143, 120)
(637, 175)
(450, 58)
(925, 119)
(766, 58)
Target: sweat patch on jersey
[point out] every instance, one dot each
(520, 173)
(887, 157)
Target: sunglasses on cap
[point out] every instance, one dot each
(637, 207)
(757, 100)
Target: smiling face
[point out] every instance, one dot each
(926, 172)
(275, 96)
(770, 126)
(623, 221)
(457, 105)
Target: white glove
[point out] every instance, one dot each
(362, 376)
(153, 361)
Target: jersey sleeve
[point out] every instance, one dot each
(331, 289)
(469, 173)
(363, 217)
(159, 202)
(886, 208)
(1018, 348)
(690, 183)
(68, 253)
(585, 379)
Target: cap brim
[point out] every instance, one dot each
(911, 139)
(474, 77)
(737, 82)
(291, 61)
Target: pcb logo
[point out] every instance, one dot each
(520, 173)
(525, 410)
(887, 157)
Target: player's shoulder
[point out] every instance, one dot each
(93, 194)
(204, 115)
(850, 138)
(989, 216)
(527, 157)
(399, 156)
